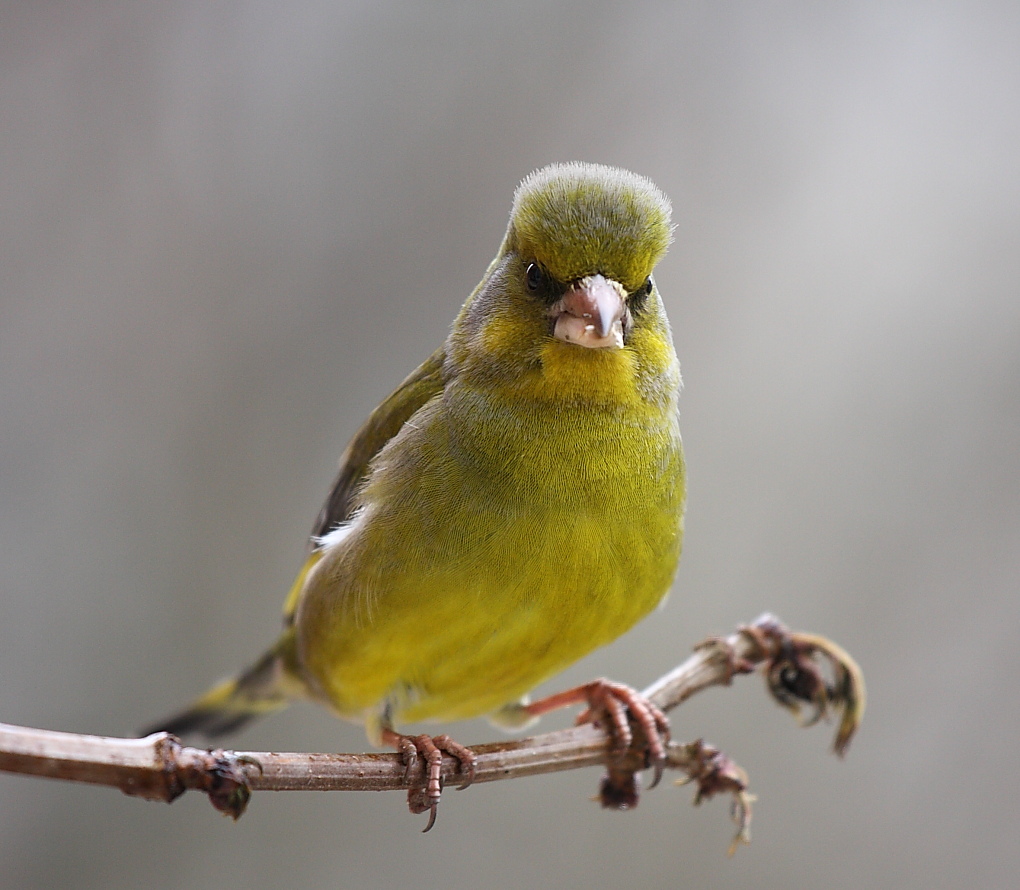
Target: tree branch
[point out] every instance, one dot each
(802, 671)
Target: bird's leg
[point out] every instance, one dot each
(612, 702)
(431, 749)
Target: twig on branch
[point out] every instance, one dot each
(801, 671)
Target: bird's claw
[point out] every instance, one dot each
(618, 704)
(425, 798)
(616, 701)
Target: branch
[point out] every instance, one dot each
(801, 671)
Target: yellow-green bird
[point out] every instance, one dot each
(517, 501)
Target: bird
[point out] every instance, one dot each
(517, 502)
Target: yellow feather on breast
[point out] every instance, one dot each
(503, 535)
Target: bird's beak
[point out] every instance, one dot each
(592, 313)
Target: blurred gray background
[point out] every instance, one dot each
(228, 229)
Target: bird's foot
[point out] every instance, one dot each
(617, 704)
(430, 749)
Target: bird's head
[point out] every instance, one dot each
(570, 297)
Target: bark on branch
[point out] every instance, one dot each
(803, 672)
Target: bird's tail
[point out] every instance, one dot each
(270, 684)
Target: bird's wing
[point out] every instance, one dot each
(384, 423)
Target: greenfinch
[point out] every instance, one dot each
(515, 503)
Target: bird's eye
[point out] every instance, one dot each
(641, 294)
(534, 277)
